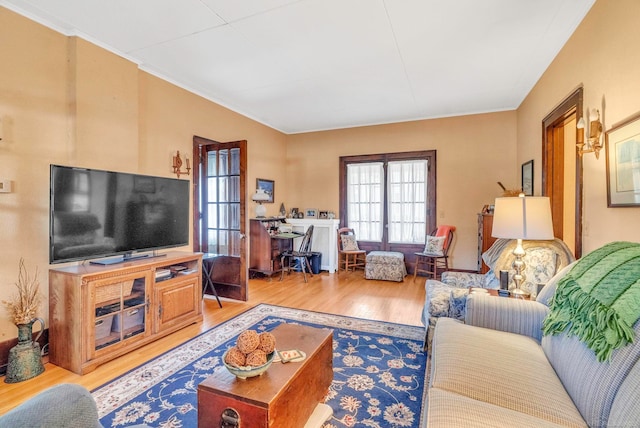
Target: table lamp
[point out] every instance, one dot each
(522, 218)
(259, 197)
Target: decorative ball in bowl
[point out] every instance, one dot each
(243, 372)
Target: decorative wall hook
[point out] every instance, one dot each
(177, 165)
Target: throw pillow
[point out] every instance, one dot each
(349, 243)
(434, 245)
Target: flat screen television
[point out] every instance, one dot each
(96, 214)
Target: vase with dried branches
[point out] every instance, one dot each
(25, 360)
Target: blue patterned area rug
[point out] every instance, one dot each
(379, 369)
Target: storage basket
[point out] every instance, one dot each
(103, 327)
(130, 318)
(112, 291)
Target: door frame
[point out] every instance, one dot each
(407, 249)
(553, 163)
(223, 289)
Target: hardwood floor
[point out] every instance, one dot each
(345, 294)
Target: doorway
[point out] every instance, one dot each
(562, 170)
(219, 212)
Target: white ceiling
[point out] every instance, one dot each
(308, 65)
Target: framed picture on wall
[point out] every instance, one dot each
(527, 178)
(622, 143)
(268, 186)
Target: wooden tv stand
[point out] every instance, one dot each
(97, 313)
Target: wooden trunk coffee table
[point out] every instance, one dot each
(284, 396)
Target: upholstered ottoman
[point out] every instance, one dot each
(385, 265)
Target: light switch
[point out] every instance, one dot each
(5, 186)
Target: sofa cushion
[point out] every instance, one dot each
(593, 385)
(504, 369)
(625, 411)
(448, 409)
(510, 315)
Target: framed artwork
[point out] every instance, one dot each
(323, 214)
(268, 186)
(527, 178)
(622, 143)
(311, 213)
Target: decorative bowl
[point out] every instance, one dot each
(248, 371)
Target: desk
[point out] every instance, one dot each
(266, 245)
(207, 270)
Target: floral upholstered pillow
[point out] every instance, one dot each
(349, 243)
(434, 245)
(540, 267)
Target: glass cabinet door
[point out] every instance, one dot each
(120, 310)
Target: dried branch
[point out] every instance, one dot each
(23, 307)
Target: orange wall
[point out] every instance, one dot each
(66, 101)
(603, 57)
(473, 153)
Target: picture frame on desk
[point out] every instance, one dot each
(311, 213)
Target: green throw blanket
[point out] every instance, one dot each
(598, 300)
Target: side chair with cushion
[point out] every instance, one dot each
(436, 252)
(301, 258)
(448, 297)
(350, 256)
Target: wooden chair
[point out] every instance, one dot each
(429, 263)
(301, 257)
(348, 259)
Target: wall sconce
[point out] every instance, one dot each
(595, 132)
(259, 197)
(177, 165)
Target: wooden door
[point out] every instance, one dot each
(219, 212)
(554, 158)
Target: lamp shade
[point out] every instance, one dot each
(522, 218)
(260, 196)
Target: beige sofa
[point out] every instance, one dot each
(497, 370)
